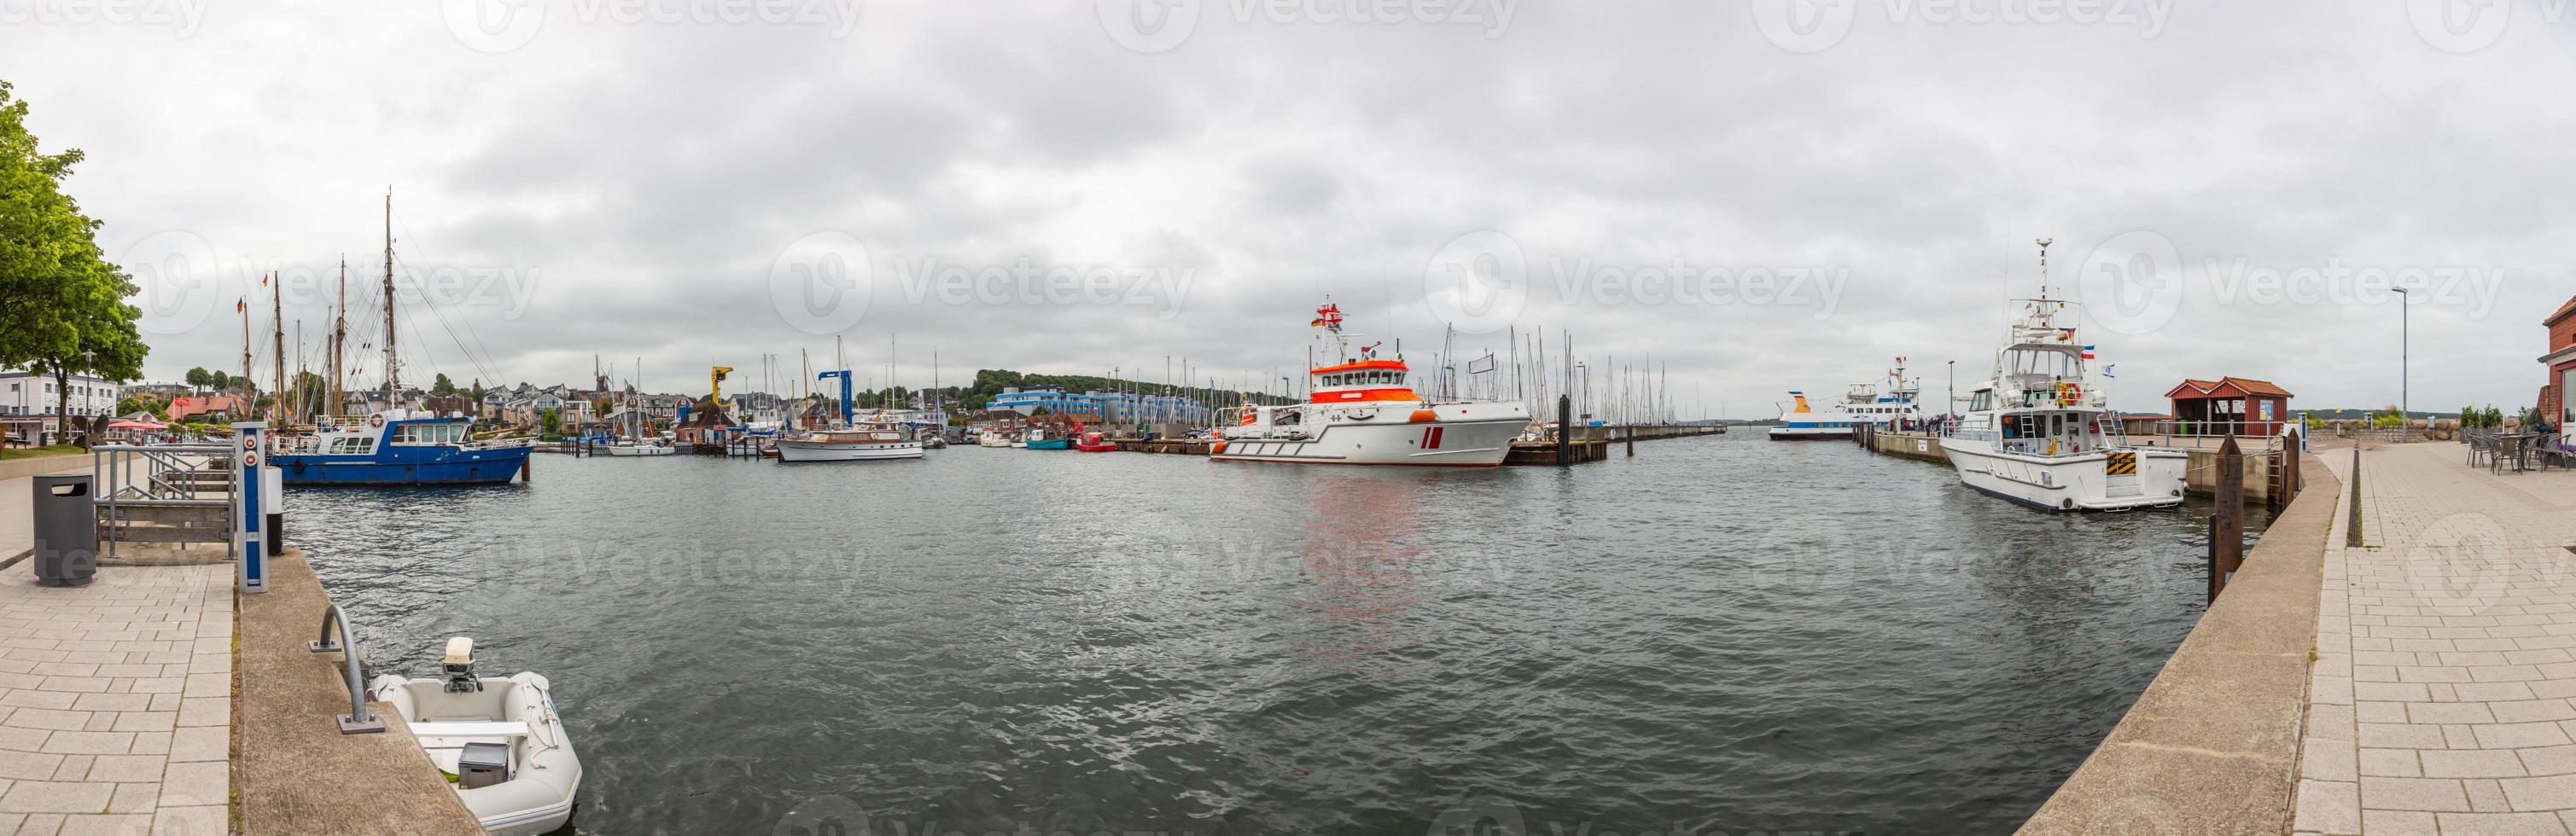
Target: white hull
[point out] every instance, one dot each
(2070, 483)
(819, 451)
(1475, 443)
(1809, 433)
(518, 712)
(639, 450)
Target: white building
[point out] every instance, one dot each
(28, 393)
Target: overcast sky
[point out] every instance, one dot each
(1763, 195)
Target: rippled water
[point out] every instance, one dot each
(1718, 635)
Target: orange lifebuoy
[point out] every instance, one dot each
(2070, 392)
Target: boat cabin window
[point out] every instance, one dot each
(344, 446)
(429, 434)
(1983, 400)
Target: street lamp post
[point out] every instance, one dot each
(1950, 411)
(2404, 418)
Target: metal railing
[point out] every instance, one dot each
(358, 720)
(128, 476)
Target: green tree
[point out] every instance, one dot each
(550, 421)
(45, 243)
(196, 378)
(442, 387)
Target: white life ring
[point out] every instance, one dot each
(376, 419)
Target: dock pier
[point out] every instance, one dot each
(2261, 480)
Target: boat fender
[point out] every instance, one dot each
(1421, 415)
(1216, 449)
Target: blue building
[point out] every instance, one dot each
(1113, 407)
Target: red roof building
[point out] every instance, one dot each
(2230, 405)
(2561, 361)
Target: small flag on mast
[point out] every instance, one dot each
(2088, 352)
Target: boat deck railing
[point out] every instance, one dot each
(359, 720)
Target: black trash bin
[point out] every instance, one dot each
(66, 531)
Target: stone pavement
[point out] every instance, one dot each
(115, 698)
(2443, 696)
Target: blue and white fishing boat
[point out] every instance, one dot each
(396, 446)
(1892, 403)
(401, 447)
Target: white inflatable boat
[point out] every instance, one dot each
(498, 740)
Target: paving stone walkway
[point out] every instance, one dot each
(115, 698)
(2443, 696)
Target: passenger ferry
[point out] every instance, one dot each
(2039, 432)
(1362, 412)
(400, 447)
(1898, 401)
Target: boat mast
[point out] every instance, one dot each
(339, 336)
(393, 368)
(277, 315)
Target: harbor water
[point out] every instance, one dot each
(1719, 635)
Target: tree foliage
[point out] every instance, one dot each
(62, 303)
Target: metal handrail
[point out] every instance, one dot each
(358, 720)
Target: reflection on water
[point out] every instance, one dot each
(1717, 635)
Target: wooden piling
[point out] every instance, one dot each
(1565, 430)
(1632, 441)
(2352, 526)
(2227, 525)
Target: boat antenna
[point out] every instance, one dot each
(2043, 267)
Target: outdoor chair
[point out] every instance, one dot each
(2550, 450)
(2481, 445)
(2509, 449)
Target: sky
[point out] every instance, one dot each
(1759, 196)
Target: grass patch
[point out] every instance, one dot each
(15, 453)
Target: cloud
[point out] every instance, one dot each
(649, 175)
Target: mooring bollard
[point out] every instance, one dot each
(2217, 580)
(2227, 526)
(1632, 441)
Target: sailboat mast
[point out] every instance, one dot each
(393, 367)
(339, 336)
(277, 317)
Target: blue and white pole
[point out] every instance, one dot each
(250, 521)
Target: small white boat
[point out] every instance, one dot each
(499, 740)
(865, 442)
(650, 447)
(992, 438)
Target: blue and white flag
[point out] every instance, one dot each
(2106, 370)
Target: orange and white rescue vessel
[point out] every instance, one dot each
(1363, 412)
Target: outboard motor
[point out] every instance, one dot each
(459, 666)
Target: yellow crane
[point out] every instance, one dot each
(715, 385)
